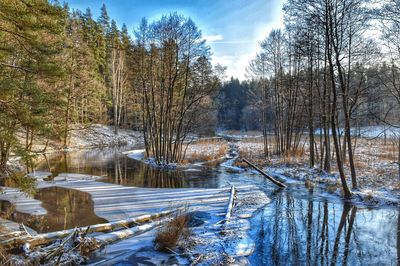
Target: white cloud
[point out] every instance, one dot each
(236, 64)
(213, 38)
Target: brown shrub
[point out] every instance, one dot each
(222, 151)
(173, 233)
(198, 157)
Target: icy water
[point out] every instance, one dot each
(298, 227)
(118, 168)
(66, 208)
(306, 230)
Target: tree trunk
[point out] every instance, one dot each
(329, 38)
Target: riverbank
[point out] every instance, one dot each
(375, 159)
(202, 151)
(94, 136)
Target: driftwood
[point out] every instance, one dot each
(230, 204)
(229, 208)
(106, 239)
(46, 238)
(72, 250)
(273, 180)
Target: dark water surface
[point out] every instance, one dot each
(309, 231)
(66, 208)
(118, 168)
(298, 227)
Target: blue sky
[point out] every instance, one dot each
(232, 28)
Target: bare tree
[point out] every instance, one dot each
(175, 78)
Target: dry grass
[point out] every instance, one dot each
(240, 163)
(254, 156)
(198, 157)
(253, 140)
(360, 164)
(206, 151)
(387, 157)
(4, 257)
(174, 233)
(294, 156)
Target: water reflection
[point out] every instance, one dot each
(295, 231)
(298, 227)
(117, 168)
(66, 208)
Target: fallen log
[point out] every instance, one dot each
(270, 178)
(229, 208)
(112, 237)
(46, 238)
(230, 204)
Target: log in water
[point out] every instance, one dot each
(273, 180)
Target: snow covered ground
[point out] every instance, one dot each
(82, 137)
(102, 136)
(375, 159)
(371, 131)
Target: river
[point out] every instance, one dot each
(299, 227)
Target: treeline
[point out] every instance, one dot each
(60, 68)
(325, 73)
(237, 108)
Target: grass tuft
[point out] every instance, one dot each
(174, 233)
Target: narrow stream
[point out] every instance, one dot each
(298, 227)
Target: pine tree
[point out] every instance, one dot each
(29, 43)
(83, 89)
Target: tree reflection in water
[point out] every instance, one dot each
(298, 231)
(66, 208)
(291, 230)
(117, 168)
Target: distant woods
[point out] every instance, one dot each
(237, 108)
(62, 70)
